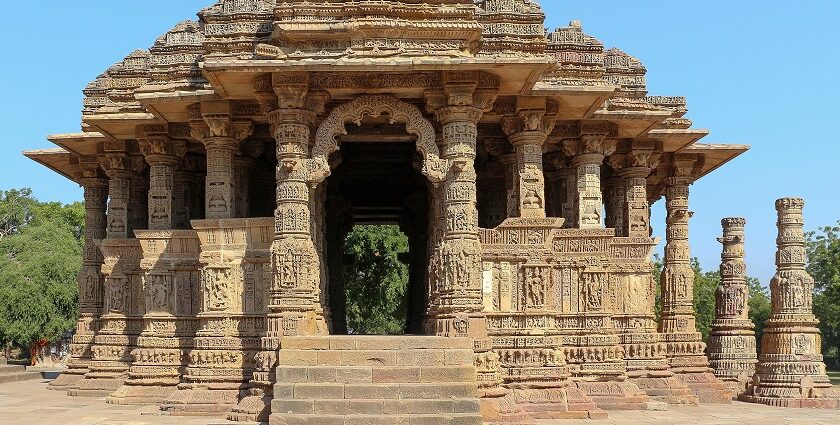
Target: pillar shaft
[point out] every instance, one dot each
(732, 348)
(163, 155)
(457, 261)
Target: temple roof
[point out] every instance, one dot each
(233, 42)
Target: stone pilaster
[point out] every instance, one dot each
(732, 350)
(678, 326)
(587, 155)
(508, 160)
(790, 370)
(528, 131)
(89, 279)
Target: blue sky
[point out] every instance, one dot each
(763, 73)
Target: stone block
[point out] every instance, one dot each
(389, 375)
(371, 391)
(319, 391)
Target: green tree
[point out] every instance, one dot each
(823, 247)
(376, 280)
(40, 256)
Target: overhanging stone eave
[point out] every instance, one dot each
(56, 159)
(81, 144)
(632, 124)
(119, 126)
(716, 155)
(575, 102)
(153, 101)
(676, 140)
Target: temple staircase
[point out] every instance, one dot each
(344, 380)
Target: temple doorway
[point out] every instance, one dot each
(376, 225)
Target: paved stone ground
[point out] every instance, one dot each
(30, 403)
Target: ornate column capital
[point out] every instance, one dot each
(160, 149)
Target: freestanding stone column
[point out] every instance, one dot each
(732, 340)
(790, 371)
(678, 326)
(89, 279)
(587, 156)
(636, 215)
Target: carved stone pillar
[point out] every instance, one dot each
(790, 370)
(242, 166)
(120, 321)
(456, 267)
(587, 156)
(89, 279)
(732, 340)
(294, 297)
(508, 160)
(615, 195)
(163, 155)
(528, 131)
(634, 168)
(678, 326)
(221, 136)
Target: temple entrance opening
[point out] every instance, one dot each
(376, 235)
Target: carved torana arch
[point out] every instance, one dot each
(434, 167)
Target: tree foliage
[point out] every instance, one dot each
(376, 280)
(823, 248)
(40, 256)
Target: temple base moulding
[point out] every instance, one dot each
(67, 379)
(707, 387)
(96, 386)
(667, 389)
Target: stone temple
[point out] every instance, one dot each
(223, 167)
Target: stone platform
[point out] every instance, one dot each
(30, 400)
(15, 373)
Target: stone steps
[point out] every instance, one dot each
(15, 373)
(376, 380)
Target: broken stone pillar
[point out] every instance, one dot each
(790, 370)
(678, 326)
(731, 347)
(90, 278)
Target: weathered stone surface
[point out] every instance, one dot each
(237, 151)
(790, 370)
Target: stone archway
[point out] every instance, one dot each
(434, 167)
